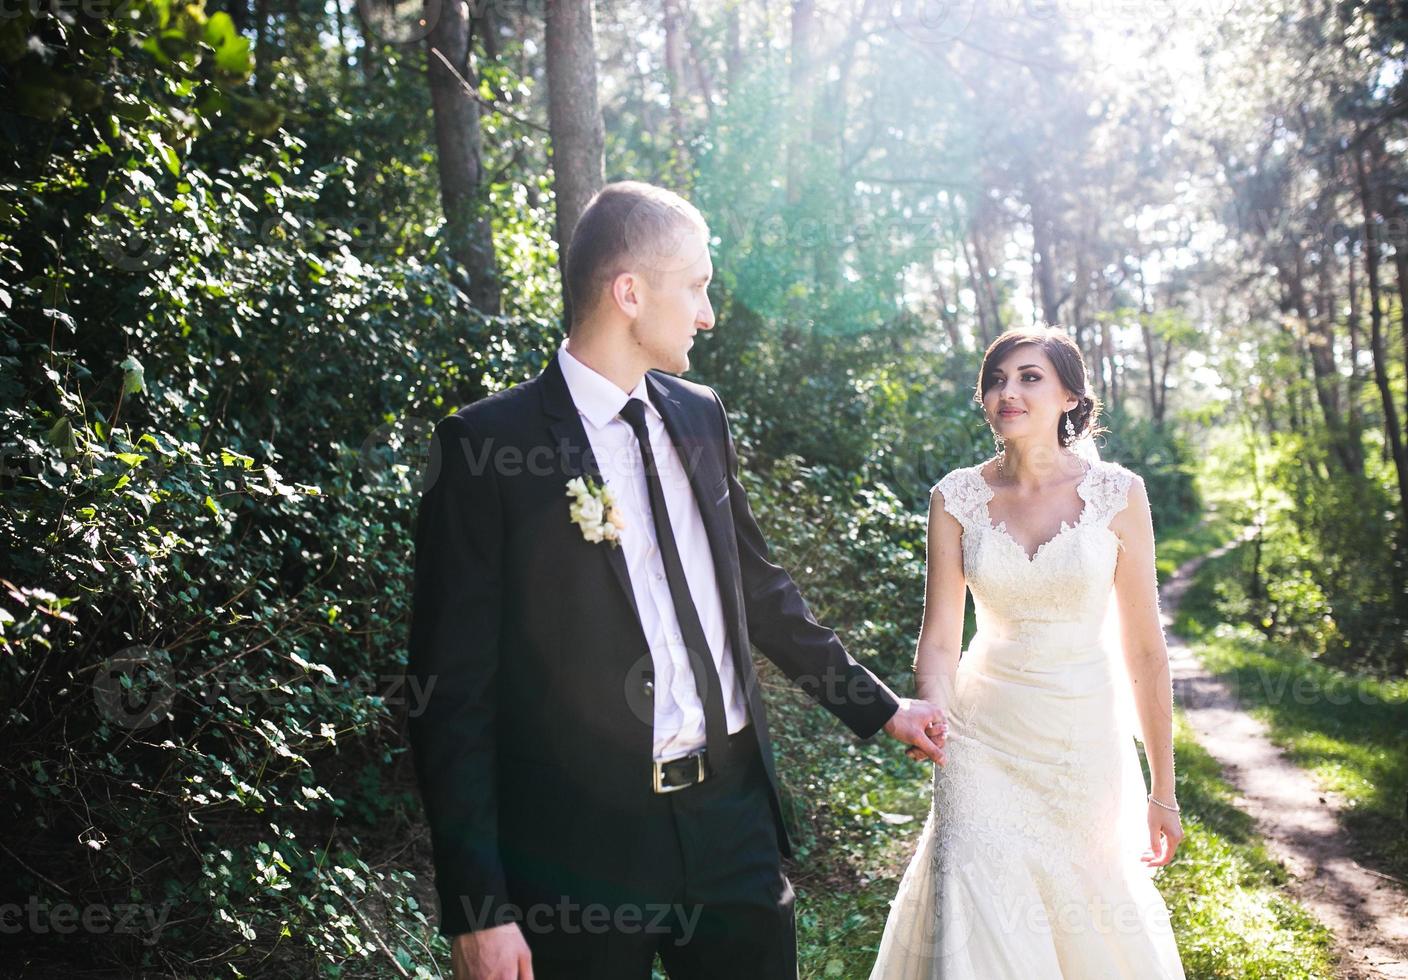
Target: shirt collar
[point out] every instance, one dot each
(598, 398)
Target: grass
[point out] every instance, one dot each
(1231, 914)
(1194, 537)
(1350, 731)
(861, 808)
(866, 804)
(857, 809)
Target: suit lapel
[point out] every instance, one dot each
(693, 444)
(574, 451)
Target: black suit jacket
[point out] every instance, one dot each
(535, 739)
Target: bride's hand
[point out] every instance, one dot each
(1165, 834)
(922, 726)
(938, 732)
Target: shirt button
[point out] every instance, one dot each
(658, 577)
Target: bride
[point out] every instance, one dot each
(1029, 865)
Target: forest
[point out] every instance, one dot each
(252, 251)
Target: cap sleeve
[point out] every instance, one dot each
(964, 493)
(1107, 490)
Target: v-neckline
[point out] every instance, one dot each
(1001, 528)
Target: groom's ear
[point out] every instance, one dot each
(625, 292)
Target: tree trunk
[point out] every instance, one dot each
(733, 47)
(344, 63)
(1350, 446)
(1146, 313)
(1376, 334)
(1151, 361)
(1318, 349)
(1400, 269)
(979, 309)
(574, 117)
(1293, 390)
(947, 314)
(263, 60)
(697, 60)
(1107, 356)
(485, 26)
(239, 13)
(370, 42)
(1356, 381)
(453, 100)
(985, 279)
(1395, 217)
(678, 90)
(1164, 373)
(1079, 292)
(799, 95)
(1044, 246)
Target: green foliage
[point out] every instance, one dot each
(1349, 729)
(1224, 891)
(1230, 914)
(1161, 457)
(817, 345)
(1333, 587)
(222, 345)
(857, 551)
(217, 386)
(1322, 573)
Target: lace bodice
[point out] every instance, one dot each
(1032, 845)
(1067, 580)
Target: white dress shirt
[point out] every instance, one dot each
(679, 714)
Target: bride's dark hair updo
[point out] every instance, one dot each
(1066, 357)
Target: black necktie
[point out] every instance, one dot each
(701, 661)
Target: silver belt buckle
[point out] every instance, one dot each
(658, 773)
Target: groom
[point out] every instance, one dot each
(593, 754)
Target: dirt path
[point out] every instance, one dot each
(1367, 912)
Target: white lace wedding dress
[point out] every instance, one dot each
(1028, 864)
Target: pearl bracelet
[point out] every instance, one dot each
(1171, 809)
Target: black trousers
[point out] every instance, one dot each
(715, 904)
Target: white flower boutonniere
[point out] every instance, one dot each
(595, 512)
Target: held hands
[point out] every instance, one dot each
(497, 953)
(922, 726)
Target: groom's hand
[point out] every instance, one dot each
(496, 953)
(922, 726)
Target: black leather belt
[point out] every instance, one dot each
(671, 775)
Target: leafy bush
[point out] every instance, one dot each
(216, 389)
(1161, 457)
(1321, 575)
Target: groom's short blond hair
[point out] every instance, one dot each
(628, 226)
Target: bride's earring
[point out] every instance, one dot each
(1070, 430)
(997, 440)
